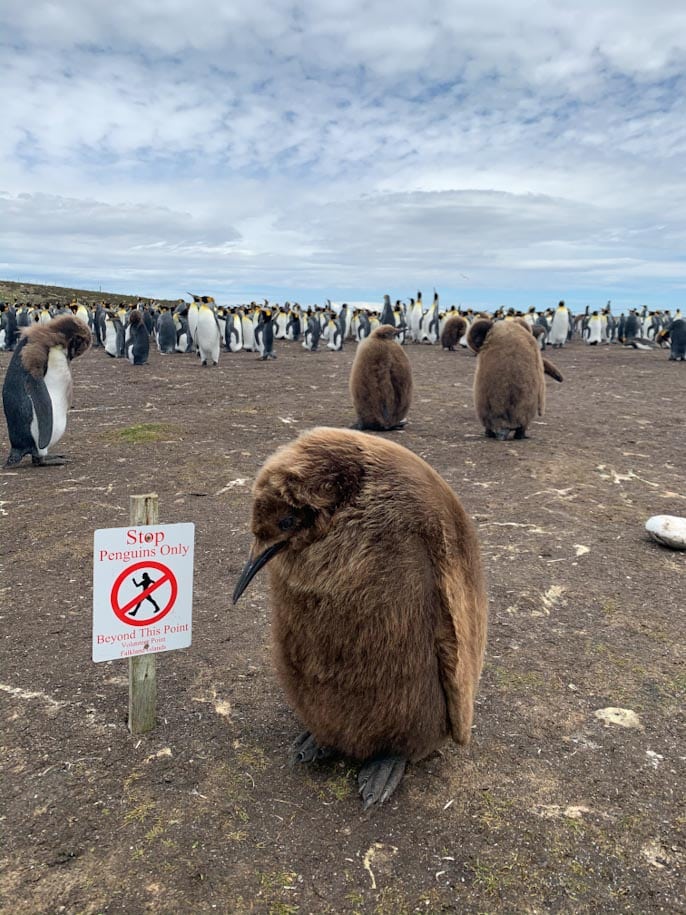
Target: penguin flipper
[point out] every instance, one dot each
(552, 370)
(42, 405)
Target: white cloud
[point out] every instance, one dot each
(330, 149)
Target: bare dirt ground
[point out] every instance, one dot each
(549, 810)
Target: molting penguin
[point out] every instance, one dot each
(509, 384)
(379, 667)
(138, 344)
(381, 382)
(37, 390)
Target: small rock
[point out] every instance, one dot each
(624, 717)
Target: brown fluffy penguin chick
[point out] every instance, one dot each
(381, 381)
(509, 387)
(378, 597)
(453, 331)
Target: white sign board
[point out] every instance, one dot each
(142, 590)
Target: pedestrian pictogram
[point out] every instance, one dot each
(142, 590)
(157, 597)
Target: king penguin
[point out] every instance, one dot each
(37, 390)
(138, 344)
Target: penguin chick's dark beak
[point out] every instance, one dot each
(253, 566)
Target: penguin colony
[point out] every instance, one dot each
(380, 664)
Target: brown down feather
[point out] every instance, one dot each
(65, 330)
(379, 604)
(509, 387)
(453, 331)
(381, 380)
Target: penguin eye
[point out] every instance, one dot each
(285, 524)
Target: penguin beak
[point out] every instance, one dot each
(253, 566)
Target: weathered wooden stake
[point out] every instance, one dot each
(142, 669)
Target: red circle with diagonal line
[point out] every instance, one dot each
(167, 577)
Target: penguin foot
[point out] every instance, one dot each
(14, 457)
(489, 433)
(520, 432)
(306, 750)
(49, 460)
(379, 778)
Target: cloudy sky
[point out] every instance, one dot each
(504, 153)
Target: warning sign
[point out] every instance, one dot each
(142, 590)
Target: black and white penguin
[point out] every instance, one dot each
(9, 324)
(428, 329)
(312, 333)
(138, 344)
(335, 334)
(364, 327)
(114, 335)
(387, 316)
(415, 317)
(207, 333)
(37, 390)
(266, 323)
(293, 328)
(233, 332)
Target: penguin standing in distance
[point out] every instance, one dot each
(559, 327)
(335, 336)
(676, 334)
(387, 316)
(415, 317)
(379, 667)
(453, 331)
(509, 383)
(266, 322)
(11, 327)
(138, 344)
(381, 382)
(631, 328)
(593, 332)
(312, 333)
(430, 321)
(207, 334)
(364, 327)
(114, 335)
(293, 327)
(233, 332)
(166, 332)
(36, 393)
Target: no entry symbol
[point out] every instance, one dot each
(155, 600)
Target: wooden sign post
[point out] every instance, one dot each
(142, 599)
(142, 669)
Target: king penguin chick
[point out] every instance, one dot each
(37, 390)
(509, 383)
(380, 664)
(381, 381)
